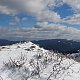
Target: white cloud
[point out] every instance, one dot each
(6, 10)
(41, 31)
(24, 19)
(41, 9)
(36, 8)
(75, 19)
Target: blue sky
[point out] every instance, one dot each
(27, 14)
(64, 11)
(28, 22)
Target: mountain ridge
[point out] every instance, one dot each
(60, 45)
(27, 61)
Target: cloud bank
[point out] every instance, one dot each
(42, 11)
(41, 31)
(36, 8)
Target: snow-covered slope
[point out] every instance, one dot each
(27, 61)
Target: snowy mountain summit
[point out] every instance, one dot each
(27, 61)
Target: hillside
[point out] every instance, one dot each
(27, 61)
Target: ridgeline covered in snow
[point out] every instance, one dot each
(27, 61)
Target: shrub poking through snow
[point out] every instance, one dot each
(36, 64)
(16, 63)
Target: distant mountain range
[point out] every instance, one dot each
(4, 42)
(60, 45)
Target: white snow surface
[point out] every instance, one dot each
(68, 69)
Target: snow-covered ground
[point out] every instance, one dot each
(27, 61)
